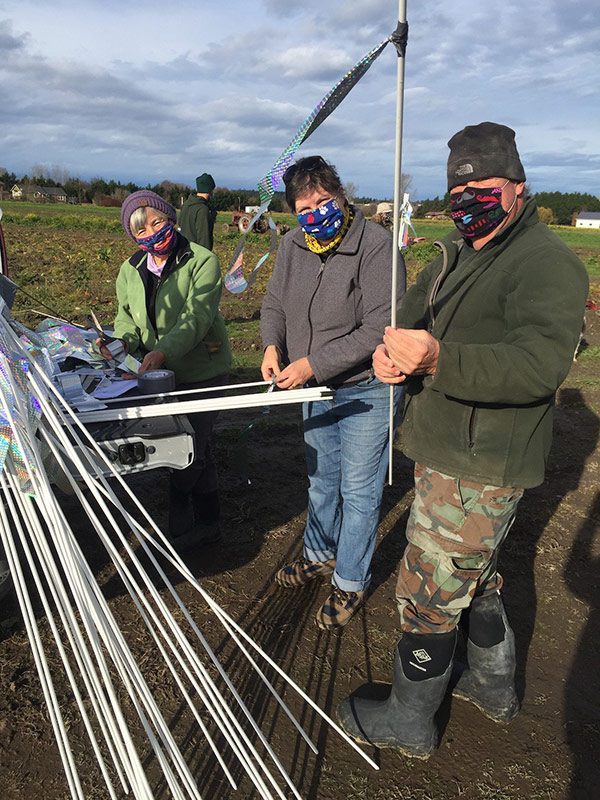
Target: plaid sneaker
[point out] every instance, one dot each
(338, 609)
(301, 571)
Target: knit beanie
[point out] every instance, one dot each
(483, 151)
(142, 199)
(205, 183)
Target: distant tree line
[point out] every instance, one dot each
(558, 208)
(555, 207)
(565, 206)
(112, 193)
(423, 207)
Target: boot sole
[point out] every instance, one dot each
(386, 746)
(185, 546)
(487, 712)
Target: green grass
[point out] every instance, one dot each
(578, 237)
(246, 329)
(589, 353)
(592, 264)
(590, 383)
(432, 229)
(68, 256)
(248, 360)
(20, 208)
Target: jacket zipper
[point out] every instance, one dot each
(160, 282)
(436, 285)
(438, 282)
(472, 427)
(319, 276)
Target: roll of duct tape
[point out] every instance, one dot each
(156, 381)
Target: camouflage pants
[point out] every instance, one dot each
(454, 532)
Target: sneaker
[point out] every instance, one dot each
(338, 609)
(301, 571)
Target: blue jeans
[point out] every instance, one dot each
(346, 443)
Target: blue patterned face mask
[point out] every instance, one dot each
(323, 222)
(160, 243)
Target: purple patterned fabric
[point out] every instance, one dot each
(142, 199)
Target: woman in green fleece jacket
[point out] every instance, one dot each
(168, 296)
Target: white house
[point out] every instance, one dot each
(588, 219)
(29, 191)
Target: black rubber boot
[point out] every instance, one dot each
(207, 512)
(5, 579)
(181, 513)
(489, 679)
(405, 721)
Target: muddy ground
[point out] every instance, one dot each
(551, 562)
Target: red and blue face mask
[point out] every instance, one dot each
(160, 243)
(477, 212)
(323, 222)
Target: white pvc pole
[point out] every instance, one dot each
(179, 392)
(396, 226)
(256, 400)
(228, 623)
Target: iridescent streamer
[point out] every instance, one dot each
(19, 409)
(270, 183)
(406, 211)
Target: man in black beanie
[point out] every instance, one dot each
(486, 336)
(197, 216)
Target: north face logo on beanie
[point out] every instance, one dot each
(464, 169)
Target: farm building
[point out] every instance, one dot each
(588, 219)
(28, 191)
(436, 215)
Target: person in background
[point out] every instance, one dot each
(486, 336)
(197, 216)
(325, 309)
(168, 296)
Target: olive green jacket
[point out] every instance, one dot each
(189, 329)
(197, 221)
(508, 319)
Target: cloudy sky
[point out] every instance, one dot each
(151, 90)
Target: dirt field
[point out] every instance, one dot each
(550, 562)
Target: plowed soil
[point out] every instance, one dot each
(551, 565)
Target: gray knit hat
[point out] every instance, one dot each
(205, 183)
(483, 151)
(142, 199)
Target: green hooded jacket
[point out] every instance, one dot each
(508, 318)
(197, 221)
(189, 329)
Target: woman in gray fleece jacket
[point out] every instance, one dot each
(324, 312)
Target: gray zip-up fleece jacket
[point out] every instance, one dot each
(333, 311)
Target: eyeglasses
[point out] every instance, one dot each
(308, 164)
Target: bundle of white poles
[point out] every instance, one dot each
(49, 567)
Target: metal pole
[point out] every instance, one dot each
(400, 43)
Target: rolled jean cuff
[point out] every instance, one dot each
(318, 555)
(350, 586)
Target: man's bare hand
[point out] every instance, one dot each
(413, 352)
(384, 368)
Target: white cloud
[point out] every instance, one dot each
(104, 89)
